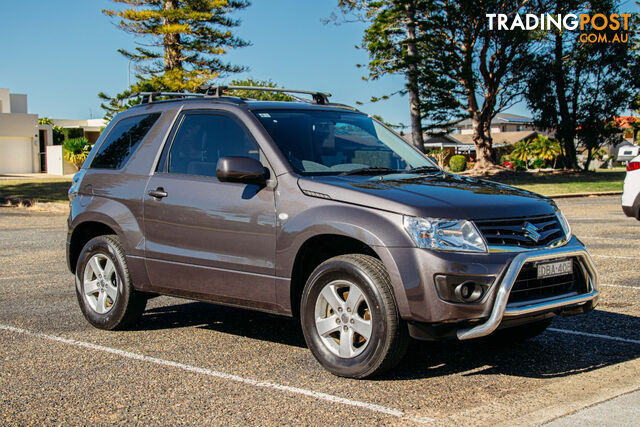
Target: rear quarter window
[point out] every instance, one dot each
(122, 141)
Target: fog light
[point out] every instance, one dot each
(468, 291)
(462, 289)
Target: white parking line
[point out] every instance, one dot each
(620, 286)
(615, 256)
(586, 334)
(616, 239)
(262, 384)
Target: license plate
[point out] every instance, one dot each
(551, 269)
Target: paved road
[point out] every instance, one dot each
(190, 362)
(620, 411)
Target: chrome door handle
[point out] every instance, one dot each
(158, 193)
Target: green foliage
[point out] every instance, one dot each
(600, 154)
(122, 101)
(537, 152)
(524, 151)
(576, 88)
(519, 165)
(72, 133)
(459, 66)
(546, 148)
(181, 45)
(76, 150)
(458, 163)
(537, 163)
(58, 135)
(504, 158)
(259, 95)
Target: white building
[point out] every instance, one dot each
(21, 148)
(26, 147)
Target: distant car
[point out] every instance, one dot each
(631, 193)
(627, 152)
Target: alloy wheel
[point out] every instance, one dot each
(343, 318)
(101, 283)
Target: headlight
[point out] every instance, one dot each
(445, 234)
(564, 224)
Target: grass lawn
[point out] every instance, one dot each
(550, 184)
(40, 190)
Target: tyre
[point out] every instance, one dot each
(521, 333)
(350, 319)
(103, 286)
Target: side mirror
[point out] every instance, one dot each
(241, 169)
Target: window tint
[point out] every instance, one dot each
(203, 138)
(122, 141)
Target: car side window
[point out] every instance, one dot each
(203, 138)
(122, 141)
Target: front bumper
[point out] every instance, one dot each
(501, 310)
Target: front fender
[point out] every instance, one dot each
(379, 230)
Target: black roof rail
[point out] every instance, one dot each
(345, 106)
(320, 98)
(147, 97)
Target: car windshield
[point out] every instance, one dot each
(336, 142)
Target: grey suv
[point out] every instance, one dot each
(315, 210)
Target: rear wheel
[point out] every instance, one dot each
(103, 286)
(350, 319)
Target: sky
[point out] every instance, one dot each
(62, 53)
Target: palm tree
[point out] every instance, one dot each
(523, 150)
(546, 148)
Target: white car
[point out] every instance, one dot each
(631, 191)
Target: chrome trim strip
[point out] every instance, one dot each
(500, 309)
(506, 248)
(547, 305)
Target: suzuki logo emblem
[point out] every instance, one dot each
(531, 231)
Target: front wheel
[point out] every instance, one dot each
(350, 318)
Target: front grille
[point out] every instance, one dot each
(528, 287)
(512, 232)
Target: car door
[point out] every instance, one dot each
(205, 238)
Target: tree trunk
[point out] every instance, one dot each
(483, 142)
(588, 161)
(171, 42)
(565, 132)
(412, 81)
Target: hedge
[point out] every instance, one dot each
(458, 163)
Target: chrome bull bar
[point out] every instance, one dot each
(500, 309)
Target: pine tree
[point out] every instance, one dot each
(455, 65)
(181, 43)
(391, 41)
(575, 89)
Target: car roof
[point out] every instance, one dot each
(251, 104)
(295, 105)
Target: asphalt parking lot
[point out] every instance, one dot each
(191, 362)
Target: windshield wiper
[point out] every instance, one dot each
(372, 170)
(421, 169)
